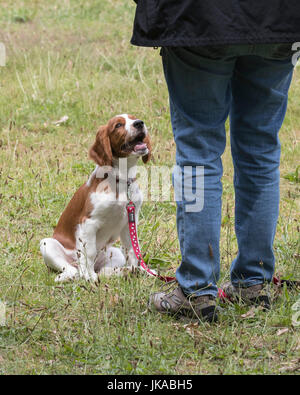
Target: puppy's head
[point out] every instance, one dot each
(123, 136)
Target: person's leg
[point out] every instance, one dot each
(259, 100)
(199, 90)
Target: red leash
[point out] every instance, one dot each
(135, 244)
(136, 248)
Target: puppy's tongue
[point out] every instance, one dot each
(140, 146)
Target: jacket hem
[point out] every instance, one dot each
(202, 41)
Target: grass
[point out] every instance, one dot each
(73, 58)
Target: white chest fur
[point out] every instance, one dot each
(109, 216)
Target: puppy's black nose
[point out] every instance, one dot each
(138, 124)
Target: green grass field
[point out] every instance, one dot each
(73, 57)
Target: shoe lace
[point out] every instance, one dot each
(168, 287)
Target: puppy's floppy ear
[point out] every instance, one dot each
(147, 157)
(100, 152)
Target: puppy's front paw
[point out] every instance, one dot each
(67, 275)
(88, 275)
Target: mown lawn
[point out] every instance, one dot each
(73, 57)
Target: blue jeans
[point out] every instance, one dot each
(248, 83)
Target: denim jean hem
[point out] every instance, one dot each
(200, 293)
(205, 293)
(248, 283)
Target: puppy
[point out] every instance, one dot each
(96, 216)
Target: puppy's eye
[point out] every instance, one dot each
(118, 125)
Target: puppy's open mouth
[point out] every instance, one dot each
(137, 145)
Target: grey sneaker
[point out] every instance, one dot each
(256, 294)
(176, 303)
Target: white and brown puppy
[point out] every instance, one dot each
(96, 216)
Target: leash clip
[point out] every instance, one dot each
(131, 211)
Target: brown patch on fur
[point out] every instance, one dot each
(76, 212)
(101, 152)
(109, 141)
(104, 187)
